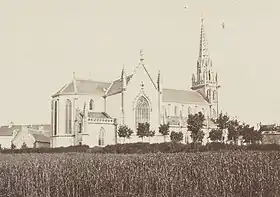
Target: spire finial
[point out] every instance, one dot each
(74, 82)
(141, 55)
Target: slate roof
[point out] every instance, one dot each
(8, 131)
(83, 87)
(98, 115)
(183, 96)
(116, 86)
(39, 136)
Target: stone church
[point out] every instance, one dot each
(89, 112)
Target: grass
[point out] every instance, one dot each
(218, 174)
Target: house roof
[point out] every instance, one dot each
(8, 130)
(83, 87)
(183, 96)
(39, 136)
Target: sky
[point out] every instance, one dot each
(43, 42)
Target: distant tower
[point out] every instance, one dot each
(206, 80)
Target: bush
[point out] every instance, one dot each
(142, 148)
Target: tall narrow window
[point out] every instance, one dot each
(209, 94)
(175, 111)
(68, 116)
(101, 137)
(214, 114)
(91, 104)
(142, 111)
(214, 95)
(55, 119)
(189, 110)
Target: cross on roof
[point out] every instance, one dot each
(142, 84)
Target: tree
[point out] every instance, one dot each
(124, 132)
(176, 136)
(234, 130)
(216, 135)
(195, 124)
(250, 135)
(143, 130)
(222, 121)
(24, 145)
(164, 130)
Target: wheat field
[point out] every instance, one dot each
(193, 174)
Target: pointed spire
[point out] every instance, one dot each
(141, 56)
(158, 81)
(74, 82)
(123, 78)
(203, 45)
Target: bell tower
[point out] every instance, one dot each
(205, 81)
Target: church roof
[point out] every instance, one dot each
(183, 96)
(98, 115)
(83, 87)
(116, 86)
(8, 130)
(39, 136)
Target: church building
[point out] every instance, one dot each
(89, 112)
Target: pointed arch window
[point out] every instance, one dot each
(214, 95)
(208, 93)
(142, 111)
(214, 114)
(91, 104)
(68, 116)
(55, 118)
(101, 137)
(175, 111)
(189, 110)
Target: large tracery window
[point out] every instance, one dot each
(142, 111)
(68, 116)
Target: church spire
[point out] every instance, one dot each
(203, 45)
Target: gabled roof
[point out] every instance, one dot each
(116, 86)
(183, 96)
(83, 87)
(39, 136)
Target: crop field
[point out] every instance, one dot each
(193, 174)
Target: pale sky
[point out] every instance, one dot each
(43, 42)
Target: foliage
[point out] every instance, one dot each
(176, 136)
(216, 134)
(143, 130)
(196, 174)
(250, 135)
(124, 131)
(164, 130)
(24, 145)
(234, 130)
(195, 124)
(222, 121)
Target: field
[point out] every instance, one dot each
(183, 174)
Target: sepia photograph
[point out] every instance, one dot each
(150, 98)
